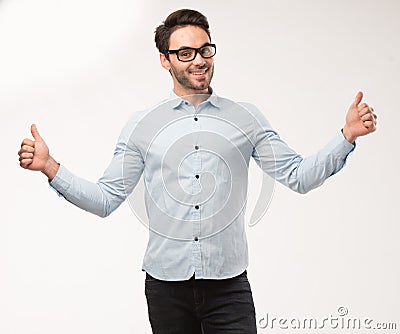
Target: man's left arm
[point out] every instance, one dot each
(303, 174)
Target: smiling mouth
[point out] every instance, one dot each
(199, 72)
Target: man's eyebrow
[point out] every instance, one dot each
(191, 47)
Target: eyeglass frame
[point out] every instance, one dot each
(196, 51)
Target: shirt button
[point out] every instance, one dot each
(196, 119)
(197, 176)
(197, 207)
(196, 147)
(196, 239)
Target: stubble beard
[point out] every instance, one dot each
(184, 80)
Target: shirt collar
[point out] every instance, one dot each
(177, 101)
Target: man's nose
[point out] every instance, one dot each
(198, 60)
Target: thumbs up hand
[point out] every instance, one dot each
(34, 155)
(360, 120)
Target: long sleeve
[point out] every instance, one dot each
(299, 173)
(118, 181)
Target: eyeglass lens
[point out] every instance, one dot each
(207, 51)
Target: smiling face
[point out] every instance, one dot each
(191, 77)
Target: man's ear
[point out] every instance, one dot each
(164, 62)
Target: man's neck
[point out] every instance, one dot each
(196, 98)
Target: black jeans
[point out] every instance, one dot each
(201, 306)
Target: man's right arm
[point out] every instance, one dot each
(100, 198)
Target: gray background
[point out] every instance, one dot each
(80, 68)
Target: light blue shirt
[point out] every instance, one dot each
(195, 167)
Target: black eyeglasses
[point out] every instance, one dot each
(188, 54)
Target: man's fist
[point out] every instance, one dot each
(360, 120)
(34, 155)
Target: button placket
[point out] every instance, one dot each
(196, 209)
(197, 257)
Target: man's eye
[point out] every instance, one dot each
(185, 54)
(206, 51)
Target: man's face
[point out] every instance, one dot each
(191, 77)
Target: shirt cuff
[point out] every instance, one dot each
(340, 147)
(62, 181)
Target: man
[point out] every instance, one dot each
(193, 150)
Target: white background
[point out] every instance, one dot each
(80, 68)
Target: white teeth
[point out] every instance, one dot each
(199, 72)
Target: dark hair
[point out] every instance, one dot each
(176, 20)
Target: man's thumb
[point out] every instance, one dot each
(358, 98)
(35, 132)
